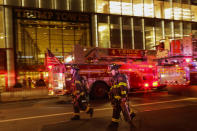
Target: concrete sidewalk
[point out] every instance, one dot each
(22, 95)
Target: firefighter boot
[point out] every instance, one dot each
(75, 117)
(132, 115)
(90, 111)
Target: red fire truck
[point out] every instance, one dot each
(142, 75)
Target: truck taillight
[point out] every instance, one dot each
(155, 84)
(146, 85)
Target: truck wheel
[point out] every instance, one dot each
(99, 91)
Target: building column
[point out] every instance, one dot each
(132, 30)
(121, 35)
(10, 47)
(163, 29)
(94, 30)
(143, 30)
(172, 29)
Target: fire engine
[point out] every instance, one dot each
(177, 61)
(142, 75)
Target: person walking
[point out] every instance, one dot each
(79, 93)
(119, 96)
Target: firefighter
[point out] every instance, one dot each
(119, 96)
(79, 93)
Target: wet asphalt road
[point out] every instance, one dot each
(157, 111)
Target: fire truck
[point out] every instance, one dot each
(142, 75)
(177, 61)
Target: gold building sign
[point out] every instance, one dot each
(51, 15)
(126, 52)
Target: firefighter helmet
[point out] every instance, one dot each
(114, 67)
(75, 67)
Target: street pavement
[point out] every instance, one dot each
(157, 111)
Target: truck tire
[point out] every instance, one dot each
(99, 90)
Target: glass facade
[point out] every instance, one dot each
(128, 24)
(34, 37)
(103, 31)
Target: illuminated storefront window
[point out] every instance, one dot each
(127, 8)
(148, 8)
(56, 38)
(115, 31)
(102, 6)
(2, 32)
(138, 7)
(127, 32)
(103, 31)
(149, 34)
(168, 13)
(159, 6)
(36, 36)
(138, 33)
(115, 6)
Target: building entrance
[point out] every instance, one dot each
(34, 37)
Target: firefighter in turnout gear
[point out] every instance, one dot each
(80, 94)
(119, 96)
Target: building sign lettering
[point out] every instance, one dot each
(125, 52)
(51, 15)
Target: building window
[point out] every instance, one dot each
(115, 6)
(127, 7)
(177, 10)
(186, 12)
(187, 28)
(148, 8)
(115, 31)
(178, 29)
(159, 9)
(168, 29)
(158, 30)
(194, 29)
(127, 32)
(194, 12)
(138, 33)
(34, 37)
(168, 14)
(102, 6)
(194, 2)
(149, 33)
(138, 7)
(103, 31)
